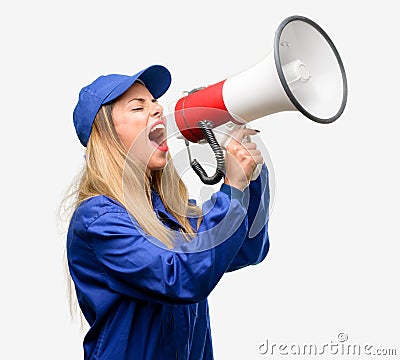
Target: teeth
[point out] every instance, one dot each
(158, 126)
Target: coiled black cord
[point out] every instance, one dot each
(219, 156)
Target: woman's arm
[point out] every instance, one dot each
(140, 266)
(256, 244)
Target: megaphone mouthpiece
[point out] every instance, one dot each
(199, 105)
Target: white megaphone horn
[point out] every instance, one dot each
(304, 72)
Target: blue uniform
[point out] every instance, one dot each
(144, 301)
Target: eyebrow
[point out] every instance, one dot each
(141, 100)
(137, 99)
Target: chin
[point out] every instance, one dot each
(157, 164)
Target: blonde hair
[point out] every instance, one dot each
(112, 171)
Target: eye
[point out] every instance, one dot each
(140, 108)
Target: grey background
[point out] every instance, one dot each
(333, 265)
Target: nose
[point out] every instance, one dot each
(157, 110)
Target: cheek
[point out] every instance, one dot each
(140, 147)
(133, 139)
(131, 133)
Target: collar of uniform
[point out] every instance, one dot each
(160, 210)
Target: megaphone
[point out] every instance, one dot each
(303, 72)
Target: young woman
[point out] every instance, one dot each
(142, 256)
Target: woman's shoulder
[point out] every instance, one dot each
(94, 207)
(101, 201)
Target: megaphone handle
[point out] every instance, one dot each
(219, 156)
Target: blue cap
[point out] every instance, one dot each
(107, 88)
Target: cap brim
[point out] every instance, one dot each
(156, 78)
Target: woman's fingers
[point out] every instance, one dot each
(242, 158)
(242, 133)
(250, 146)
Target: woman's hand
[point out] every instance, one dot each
(241, 159)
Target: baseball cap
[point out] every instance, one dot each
(107, 88)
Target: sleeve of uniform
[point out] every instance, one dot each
(256, 244)
(140, 266)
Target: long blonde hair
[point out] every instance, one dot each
(110, 170)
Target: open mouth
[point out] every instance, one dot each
(157, 136)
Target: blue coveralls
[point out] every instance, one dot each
(143, 301)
